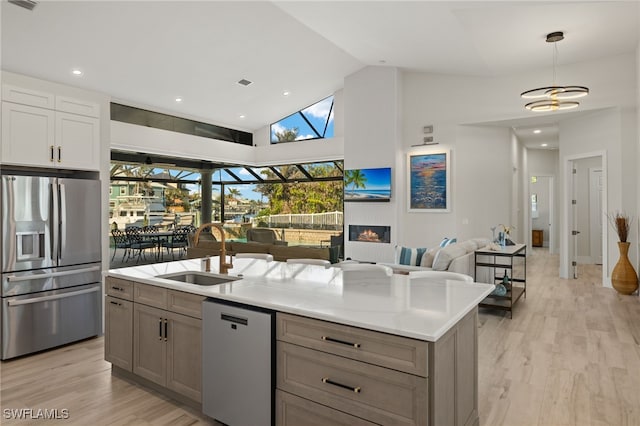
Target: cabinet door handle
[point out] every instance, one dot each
(59, 154)
(117, 288)
(165, 329)
(328, 381)
(116, 303)
(51, 157)
(342, 342)
(160, 329)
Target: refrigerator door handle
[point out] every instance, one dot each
(53, 230)
(14, 279)
(52, 297)
(63, 220)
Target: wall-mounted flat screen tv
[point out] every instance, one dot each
(367, 184)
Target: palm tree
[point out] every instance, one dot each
(234, 193)
(355, 178)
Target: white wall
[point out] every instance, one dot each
(372, 102)
(612, 132)
(488, 164)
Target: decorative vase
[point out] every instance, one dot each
(623, 276)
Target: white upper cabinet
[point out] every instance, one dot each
(77, 139)
(21, 95)
(28, 135)
(48, 130)
(77, 106)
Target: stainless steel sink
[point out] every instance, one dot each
(199, 278)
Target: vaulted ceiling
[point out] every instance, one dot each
(148, 53)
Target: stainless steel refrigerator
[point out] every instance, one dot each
(51, 269)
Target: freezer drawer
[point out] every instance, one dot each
(39, 321)
(237, 364)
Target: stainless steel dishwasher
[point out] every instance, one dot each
(238, 363)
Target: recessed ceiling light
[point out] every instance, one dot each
(545, 144)
(536, 131)
(286, 93)
(242, 116)
(77, 72)
(178, 99)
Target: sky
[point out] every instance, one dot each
(317, 116)
(377, 178)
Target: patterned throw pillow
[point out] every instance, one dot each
(446, 241)
(409, 256)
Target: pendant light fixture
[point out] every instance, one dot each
(554, 97)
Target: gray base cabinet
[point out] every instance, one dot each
(118, 332)
(354, 376)
(157, 336)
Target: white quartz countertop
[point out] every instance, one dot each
(416, 308)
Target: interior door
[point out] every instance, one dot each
(596, 214)
(79, 221)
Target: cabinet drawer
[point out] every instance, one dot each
(119, 288)
(399, 353)
(373, 393)
(294, 411)
(25, 96)
(150, 295)
(185, 303)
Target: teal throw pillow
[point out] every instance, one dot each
(410, 256)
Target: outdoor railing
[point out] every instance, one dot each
(328, 220)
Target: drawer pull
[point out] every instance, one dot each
(165, 329)
(342, 342)
(160, 329)
(117, 288)
(116, 303)
(340, 385)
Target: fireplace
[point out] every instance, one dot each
(370, 234)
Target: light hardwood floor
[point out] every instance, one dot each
(569, 356)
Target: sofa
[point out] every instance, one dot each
(278, 251)
(264, 235)
(454, 257)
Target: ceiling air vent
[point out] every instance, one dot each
(245, 82)
(27, 4)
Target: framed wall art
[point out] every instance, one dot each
(429, 181)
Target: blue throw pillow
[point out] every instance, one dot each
(410, 256)
(446, 241)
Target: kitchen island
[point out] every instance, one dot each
(412, 343)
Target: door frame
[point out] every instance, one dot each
(567, 221)
(552, 208)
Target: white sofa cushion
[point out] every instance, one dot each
(445, 255)
(428, 256)
(468, 245)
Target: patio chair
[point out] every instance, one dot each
(120, 241)
(138, 241)
(177, 241)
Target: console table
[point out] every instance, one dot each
(514, 291)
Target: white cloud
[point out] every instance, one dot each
(321, 109)
(303, 137)
(277, 128)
